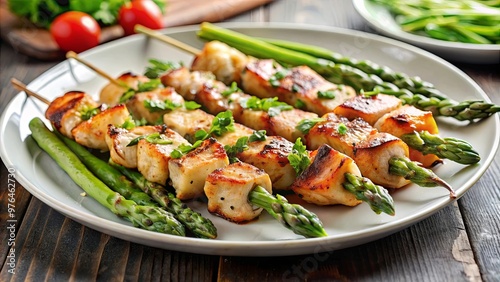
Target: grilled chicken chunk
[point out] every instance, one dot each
(147, 105)
(227, 191)
(387, 114)
(322, 182)
(370, 149)
(188, 173)
(153, 159)
(111, 93)
(331, 132)
(66, 112)
(186, 123)
(370, 109)
(118, 140)
(408, 119)
(299, 86)
(188, 83)
(92, 132)
(222, 60)
(271, 155)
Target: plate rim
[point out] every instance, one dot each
(234, 247)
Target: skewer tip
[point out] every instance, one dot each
(71, 54)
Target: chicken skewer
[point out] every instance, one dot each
(210, 94)
(271, 155)
(292, 216)
(256, 80)
(278, 118)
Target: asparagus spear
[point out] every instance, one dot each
(417, 174)
(108, 174)
(379, 198)
(194, 221)
(346, 74)
(147, 217)
(293, 216)
(450, 148)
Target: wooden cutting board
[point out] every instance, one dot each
(38, 43)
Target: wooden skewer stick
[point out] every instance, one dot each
(73, 55)
(22, 87)
(167, 39)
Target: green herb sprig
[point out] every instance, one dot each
(221, 124)
(270, 105)
(299, 158)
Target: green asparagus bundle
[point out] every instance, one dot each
(147, 217)
(113, 176)
(466, 21)
(426, 97)
(194, 221)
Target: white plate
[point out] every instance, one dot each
(346, 227)
(381, 19)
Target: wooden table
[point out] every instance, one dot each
(459, 243)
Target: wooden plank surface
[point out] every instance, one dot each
(459, 243)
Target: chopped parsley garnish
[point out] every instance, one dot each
(259, 135)
(141, 87)
(275, 79)
(129, 123)
(183, 149)
(191, 105)
(270, 105)
(222, 123)
(168, 105)
(306, 124)
(342, 129)
(242, 144)
(127, 95)
(326, 94)
(232, 89)
(87, 113)
(153, 138)
(148, 85)
(156, 105)
(300, 104)
(157, 67)
(299, 158)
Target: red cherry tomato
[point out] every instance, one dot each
(143, 12)
(75, 31)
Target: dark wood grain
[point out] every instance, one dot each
(459, 243)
